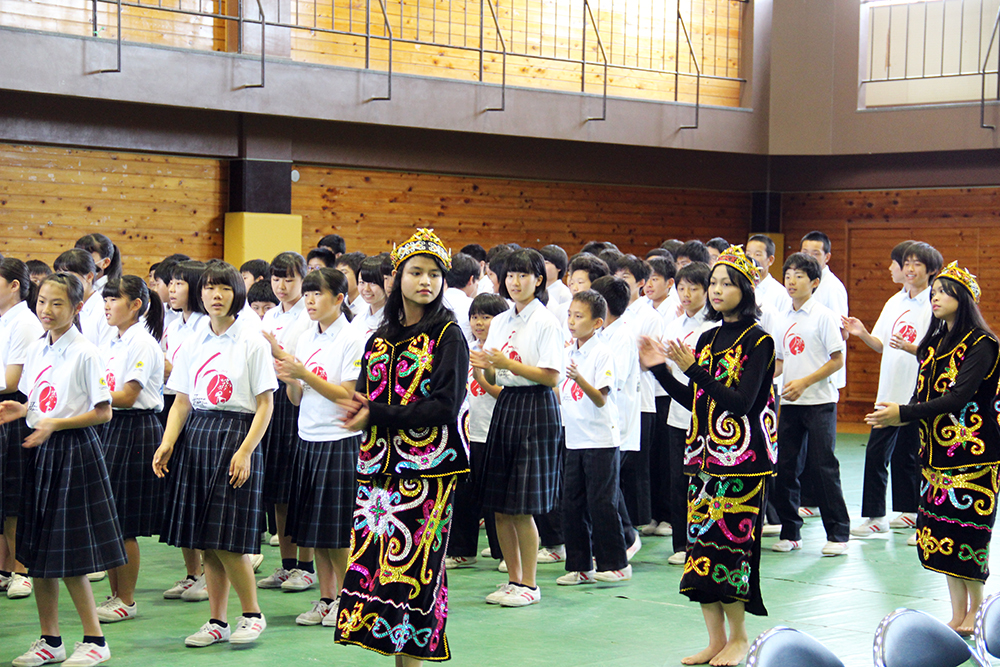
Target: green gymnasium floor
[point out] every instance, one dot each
(645, 622)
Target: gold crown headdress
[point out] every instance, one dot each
(423, 241)
(962, 277)
(736, 258)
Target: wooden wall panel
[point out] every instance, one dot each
(149, 205)
(373, 209)
(962, 223)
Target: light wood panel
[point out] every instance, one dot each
(151, 206)
(374, 209)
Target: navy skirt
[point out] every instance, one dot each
(204, 511)
(279, 448)
(523, 458)
(321, 505)
(130, 440)
(68, 524)
(13, 459)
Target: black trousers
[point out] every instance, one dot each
(660, 473)
(464, 539)
(819, 424)
(898, 447)
(592, 524)
(678, 487)
(635, 472)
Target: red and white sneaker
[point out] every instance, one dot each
(175, 591)
(40, 653)
(315, 616)
(808, 512)
(871, 526)
(114, 610)
(247, 630)
(87, 655)
(634, 549)
(904, 520)
(210, 633)
(455, 562)
(556, 555)
(19, 587)
(614, 576)
(274, 580)
(299, 580)
(576, 578)
(521, 596)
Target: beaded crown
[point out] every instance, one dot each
(963, 277)
(736, 258)
(423, 241)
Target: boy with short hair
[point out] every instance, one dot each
(692, 251)
(261, 297)
(659, 287)
(38, 270)
(716, 246)
(253, 270)
(590, 474)
(556, 263)
(809, 350)
(761, 248)
(350, 265)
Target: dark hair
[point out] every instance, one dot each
(594, 247)
(747, 308)
(394, 320)
(768, 243)
(103, 246)
(164, 270)
(898, 253)
(352, 260)
(616, 293)
(38, 267)
(611, 257)
(334, 281)
(132, 288)
(78, 261)
(475, 251)
(261, 291)
(672, 246)
(288, 264)
(928, 255)
(556, 256)
(488, 304)
(659, 252)
(334, 242)
(593, 299)
(324, 255)
(696, 251)
(177, 257)
(12, 269)
(190, 272)
(73, 287)
(593, 265)
(463, 269)
(638, 268)
(499, 249)
(258, 268)
(662, 266)
(498, 259)
(821, 237)
(696, 273)
(223, 273)
(525, 260)
(374, 270)
(717, 243)
(967, 317)
(799, 261)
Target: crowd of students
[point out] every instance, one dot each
(371, 412)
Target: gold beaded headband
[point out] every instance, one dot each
(736, 258)
(962, 277)
(423, 242)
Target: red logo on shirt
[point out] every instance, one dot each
(47, 397)
(575, 392)
(476, 389)
(908, 332)
(110, 379)
(315, 369)
(220, 389)
(794, 342)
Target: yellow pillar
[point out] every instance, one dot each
(260, 236)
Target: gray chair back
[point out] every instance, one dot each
(987, 632)
(911, 638)
(786, 647)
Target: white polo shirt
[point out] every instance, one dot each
(668, 313)
(807, 338)
(910, 318)
(358, 305)
(588, 426)
(773, 293)
(618, 337)
(224, 372)
(458, 302)
(252, 320)
(63, 380)
(832, 294)
(558, 293)
(532, 337)
(687, 330)
(481, 406)
(92, 318)
(643, 320)
(485, 285)
(367, 322)
(136, 356)
(19, 328)
(335, 356)
(287, 326)
(175, 335)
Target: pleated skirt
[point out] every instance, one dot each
(278, 445)
(324, 485)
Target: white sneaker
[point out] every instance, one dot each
(330, 620)
(634, 549)
(834, 549)
(255, 561)
(19, 587)
(196, 592)
(784, 546)
(649, 528)
(247, 630)
(911, 541)
(904, 520)
(114, 610)
(315, 615)
(453, 563)
(664, 529)
(770, 530)
(40, 653)
(521, 596)
(486, 553)
(576, 578)
(871, 526)
(86, 655)
(677, 558)
(210, 633)
(175, 591)
(274, 580)
(614, 576)
(556, 555)
(808, 512)
(273, 541)
(502, 567)
(5, 581)
(298, 580)
(96, 576)
(501, 592)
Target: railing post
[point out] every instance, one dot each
(118, 47)
(368, 33)
(482, 31)
(263, 46)
(604, 56)
(697, 68)
(986, 60)
(388, 30)
(503, 72)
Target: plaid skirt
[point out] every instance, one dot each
(13, 459)
(203, 510)
(168, 402)
(278, 444)
(324, 484)
(68, 525)
(724, 521)
(130, 440)
(955, 518)
(523, 458)
(395, 595)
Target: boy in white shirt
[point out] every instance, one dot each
(809, 350)
(556, 263)
(462, 282)
(761, 248)
(590, 473)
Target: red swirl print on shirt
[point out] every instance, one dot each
(904, 329)
(47, 396)
(575, 392)
(220, 387)
(314, 367)
(794, 342)
(110, 379)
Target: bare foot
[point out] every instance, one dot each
(968, 625)
(732, 654)
(703, 657)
